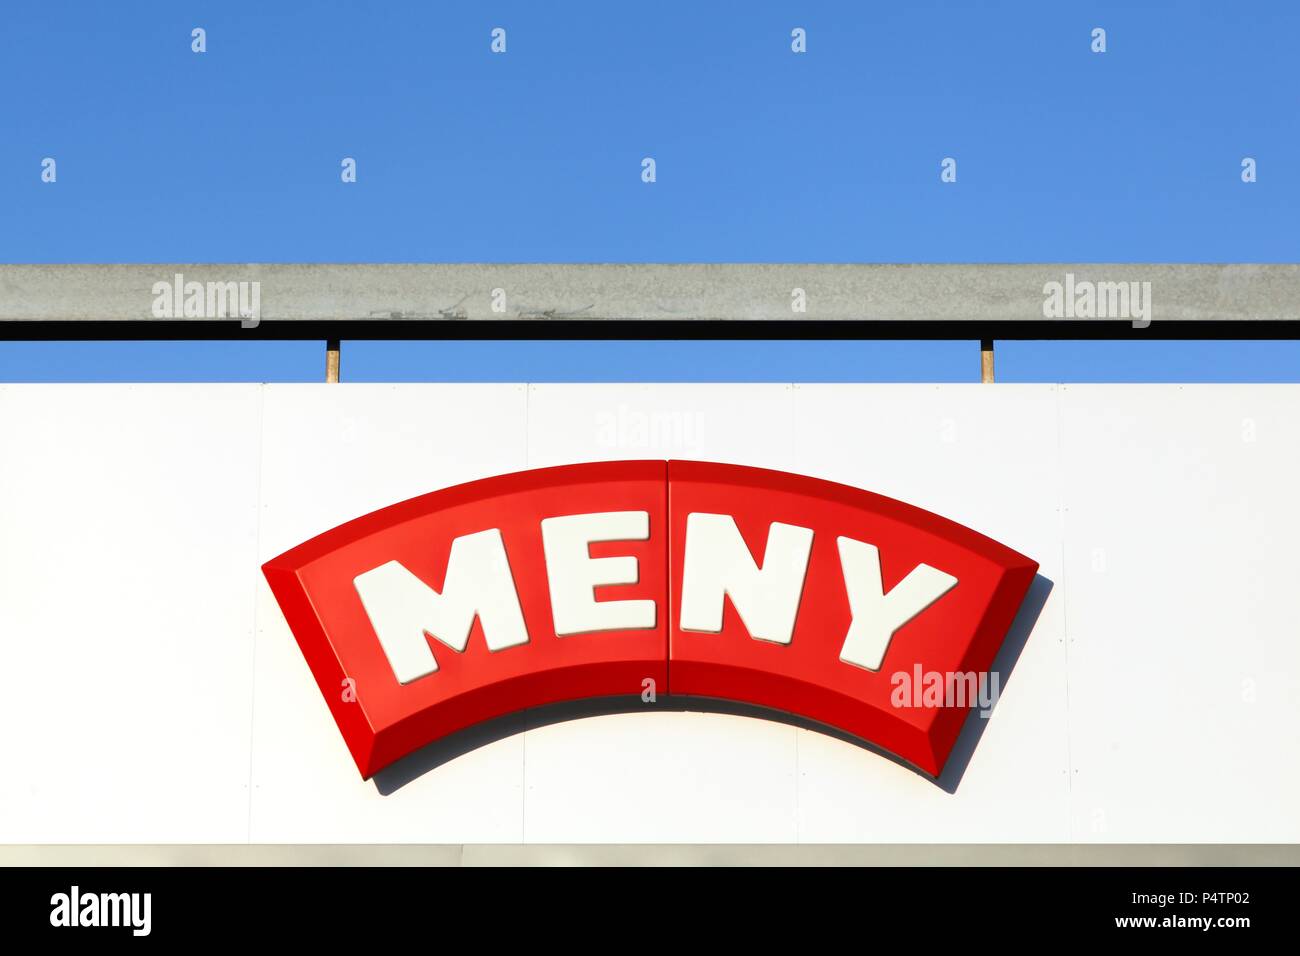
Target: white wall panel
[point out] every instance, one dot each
(987, 457)
(1182, 517)
(155, 694)
(745, 424)
(659, 778)
(336, 452)
(128, 526)
(332, 453)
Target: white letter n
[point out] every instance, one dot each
(877, 615)
(402, 608)
(718, 563)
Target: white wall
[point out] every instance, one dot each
(153, 693)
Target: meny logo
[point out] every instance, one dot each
(597, 580)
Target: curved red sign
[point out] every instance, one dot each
(614, 579)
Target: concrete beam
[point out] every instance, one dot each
(647, 301)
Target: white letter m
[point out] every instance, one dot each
(402, 608)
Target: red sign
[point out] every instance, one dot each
(618, 578)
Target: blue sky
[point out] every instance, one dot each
(762, 155)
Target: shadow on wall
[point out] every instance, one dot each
(397, 775)
(1003, 664)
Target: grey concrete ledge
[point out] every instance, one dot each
(647, 300)
(900, 854)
